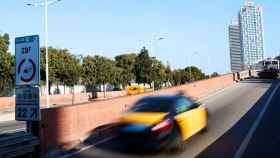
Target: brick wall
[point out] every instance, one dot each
(65, 126)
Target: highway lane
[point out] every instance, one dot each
(255, 135)
(225, 108)
(265, 141)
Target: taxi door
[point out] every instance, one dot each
(190, 118)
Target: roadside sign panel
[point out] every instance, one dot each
(28, 104)
(27, 52)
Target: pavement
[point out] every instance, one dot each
(8, 123)
(7, 115)
(232, 123)
(12, 126)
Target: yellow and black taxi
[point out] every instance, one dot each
(162, 121)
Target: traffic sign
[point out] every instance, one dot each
(27, 52)
(28, 104)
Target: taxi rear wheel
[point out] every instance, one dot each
(177, 143)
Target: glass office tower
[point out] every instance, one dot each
(252, 34)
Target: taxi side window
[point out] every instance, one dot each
(183, 105)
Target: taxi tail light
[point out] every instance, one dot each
(163, 126)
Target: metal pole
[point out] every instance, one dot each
(47, 60)
(190, 71)
(151, 47)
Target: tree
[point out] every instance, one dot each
(158, 73)
(177, 76)
(215, 74)
(69, 71)
(64, 68)
(53, 66)
(168, 73)
(7, 67)
(104, 71)
(89, 77)
(126, 62)
(4, 43)
(143, 67)
(181, 76)
(193, 73)
(118, 77)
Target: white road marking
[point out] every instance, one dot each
(87, 147)
(252, 130)
(217, 92)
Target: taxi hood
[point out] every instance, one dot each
(146, 118)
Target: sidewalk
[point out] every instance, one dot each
(7, 115)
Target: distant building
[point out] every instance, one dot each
(252, 33)
(236, 61)
(251, 37)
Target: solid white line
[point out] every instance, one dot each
(252, 130)
(87, 147)
(217, 92)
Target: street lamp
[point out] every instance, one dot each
(152, 41)
(151, 45)
(46, 3)
(190, 69)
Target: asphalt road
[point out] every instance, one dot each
(256, 135)
(227, 113)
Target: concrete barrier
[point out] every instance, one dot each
(242, 75)
(64, 127)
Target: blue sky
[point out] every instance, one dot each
(112, 27)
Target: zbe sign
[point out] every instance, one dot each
(27, 60)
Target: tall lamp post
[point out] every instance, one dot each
(190, 69)
(151, 50)
(46, 3)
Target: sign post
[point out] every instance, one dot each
(27, 52)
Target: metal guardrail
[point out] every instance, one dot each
(17, 144)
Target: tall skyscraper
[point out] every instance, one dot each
(250, 25)
(236, 60)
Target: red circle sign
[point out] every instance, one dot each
(31, 77)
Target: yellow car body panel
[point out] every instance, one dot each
(147, 118)
(192, 121)
(132, 90)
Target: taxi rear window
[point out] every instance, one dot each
(153, 105)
